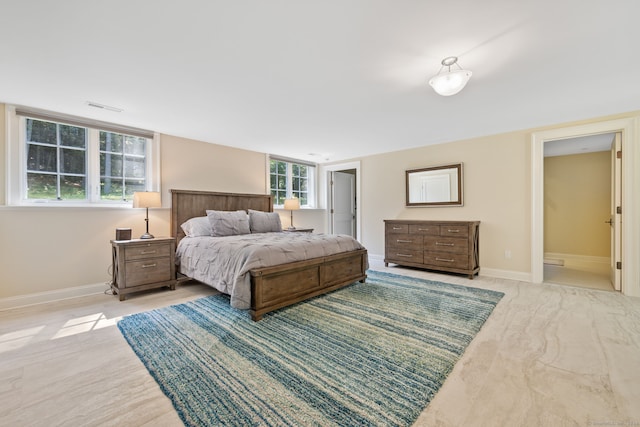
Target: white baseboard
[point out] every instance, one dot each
(521, 276)
(50, 296)
(578, 258)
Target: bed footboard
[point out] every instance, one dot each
(280, 286)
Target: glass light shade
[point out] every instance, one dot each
(450, 82)
(146, 199)
(292, 204)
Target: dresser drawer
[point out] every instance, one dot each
(446, 244)
(446, 259)
(432, 230)
(401, 255)
(454, 230)
(397, 228)
(145, 251)
(405, 241)
(147, 271)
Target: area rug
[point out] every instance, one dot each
(372, 353)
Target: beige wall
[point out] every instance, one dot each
(577, 198)
(497, 192)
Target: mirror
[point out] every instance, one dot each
(435, 186)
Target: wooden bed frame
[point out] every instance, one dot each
(282, 285)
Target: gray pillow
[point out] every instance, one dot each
(198, 226)
(264, 222)
(228, 223)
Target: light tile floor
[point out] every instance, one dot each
(549, 355)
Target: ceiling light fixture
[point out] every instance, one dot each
(450, 82)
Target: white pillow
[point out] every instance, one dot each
(198, 226)
(264, 222)
(228, 223)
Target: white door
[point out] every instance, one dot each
(616, 211)
(343, 203)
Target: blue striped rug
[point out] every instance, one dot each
(369, 354)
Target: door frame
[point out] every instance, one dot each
(629, 127)
(340, 167)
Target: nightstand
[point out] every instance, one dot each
(299, 230)
(141, 264)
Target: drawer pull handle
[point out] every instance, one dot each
(404, 241)
(452, 231)
(444, 244)
(397, 228)
(148, 252)
(423, 229)
(404, 255)
(445, 260)
(149, 265)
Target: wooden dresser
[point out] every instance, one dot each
(450, 246)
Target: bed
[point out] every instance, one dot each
(270, 286)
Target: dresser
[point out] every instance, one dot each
(450, 246)
(142, 264)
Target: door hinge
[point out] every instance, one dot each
(619, 265)
(619, 209)
(619, 154)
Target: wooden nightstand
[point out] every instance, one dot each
(142, 264)
(299, 230)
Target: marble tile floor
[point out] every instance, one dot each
(549, 355)
(590, 275)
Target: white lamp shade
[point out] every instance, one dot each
(450, 82)
(292, 204)
(147, 199)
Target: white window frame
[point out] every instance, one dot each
(16, 163)
(312, 185)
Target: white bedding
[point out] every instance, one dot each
(224, 262)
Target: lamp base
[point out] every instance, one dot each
(291, 228)
(147, 236)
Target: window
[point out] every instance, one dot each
(70, 160)
(292, 179)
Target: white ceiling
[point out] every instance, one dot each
(337, 78)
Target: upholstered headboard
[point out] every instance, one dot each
(187, 204)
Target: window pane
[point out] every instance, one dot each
(72, 161)
(303, 171)
(132, 185)
(134, 167)
(41, 186)
(295, 170)
(39, 131)
(72, 187)
(272, 166)
(134, 145)
(296, 184)
(42, 158)
(111, 189)
(282, 168)
(112, 142)
(282, 183)
(110, 164)
(72, 136)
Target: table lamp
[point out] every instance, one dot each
(292, 205)
(147, 199)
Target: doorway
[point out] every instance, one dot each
(342, 195)
(630, 227)
(578, 188)
(343, 202)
